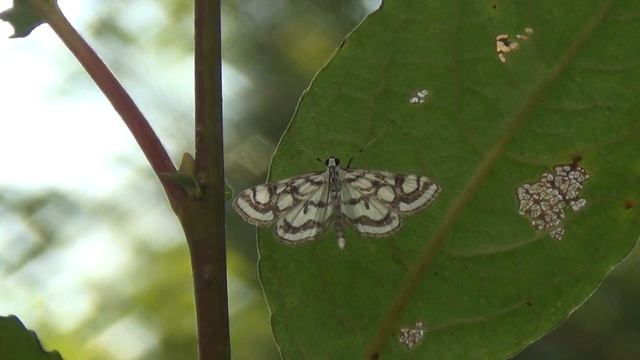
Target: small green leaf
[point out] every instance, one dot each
(228, 191)
(22, 17)
(426, 78)
(18, 343)
(185, 181)
(187, 164)
(185, 177)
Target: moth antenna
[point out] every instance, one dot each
(349, 163)
(363, 148)
(311, 155)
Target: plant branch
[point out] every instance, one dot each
(204, 220)
(115, 93)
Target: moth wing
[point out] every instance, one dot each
(263, 204)
(415, 192)
(407, 194)
(308, 219)
(364, 210)
(374, 201)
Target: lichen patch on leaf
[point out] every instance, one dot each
(419, 97)
(411, 336)
(505, 46)
(544, 201)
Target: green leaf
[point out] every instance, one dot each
(186, 182)
(22, 17)
(187, 164)
(496, 284)
(18, 343)
(185, 177)
(228, 191)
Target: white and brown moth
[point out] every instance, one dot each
(303, 207)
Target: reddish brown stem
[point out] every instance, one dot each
(115, 93)
(204, 220)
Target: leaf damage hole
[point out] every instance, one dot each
(544, 201)
(411, 336)
(419, 97)
(505, 46)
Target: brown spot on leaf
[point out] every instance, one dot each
(576, 159)
(629, 204)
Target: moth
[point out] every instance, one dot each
(303, 207)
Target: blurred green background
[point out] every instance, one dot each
(91, 256)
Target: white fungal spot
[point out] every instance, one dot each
(410, 337)
(544, 201)
(505, 46)
(419, 97)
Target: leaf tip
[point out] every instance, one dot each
(22, 17)
(18, 342)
